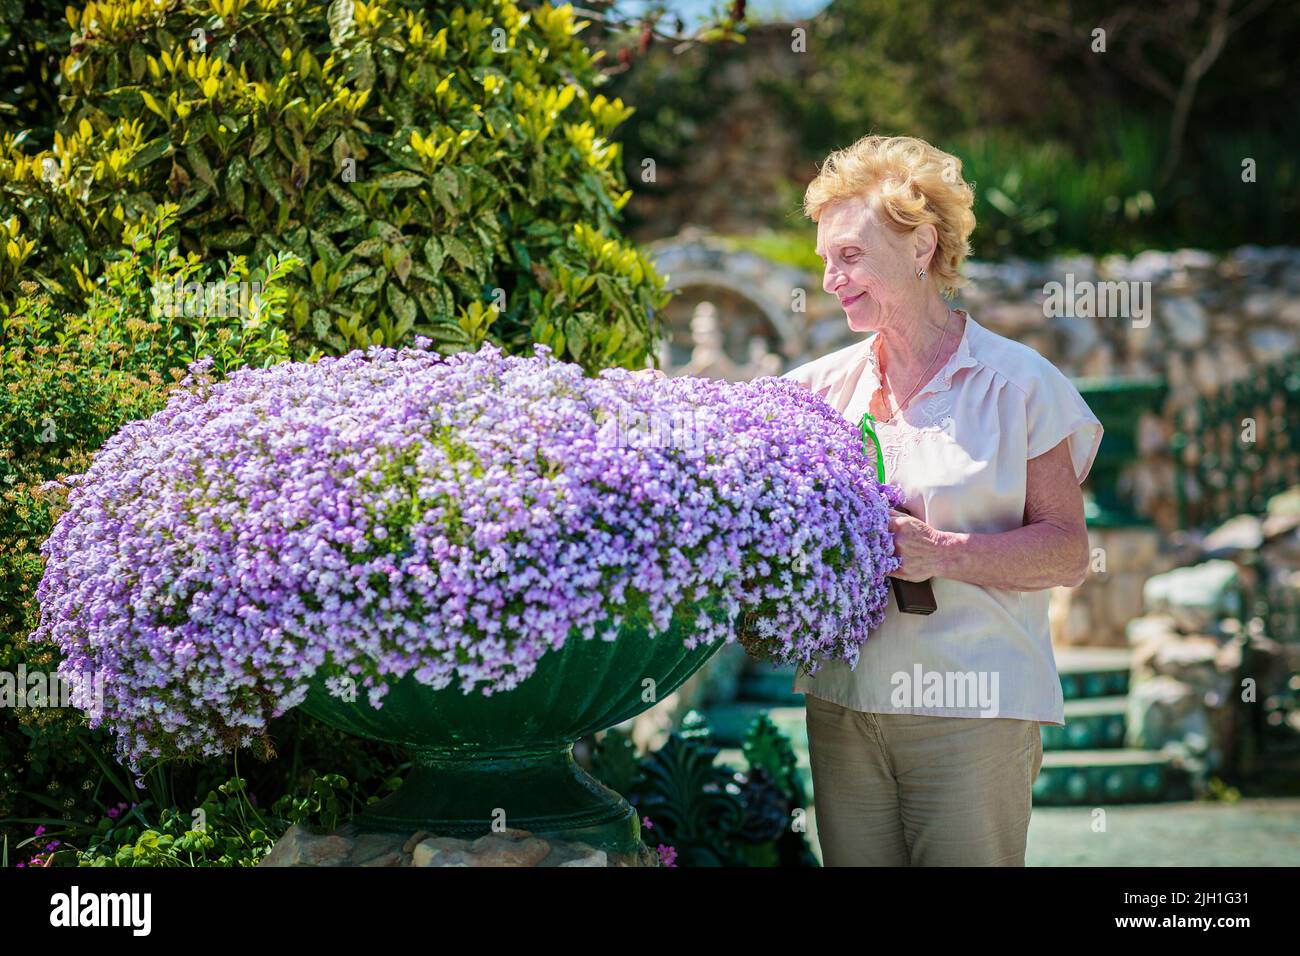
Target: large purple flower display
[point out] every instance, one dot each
(455, 517)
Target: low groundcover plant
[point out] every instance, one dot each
(455, 517)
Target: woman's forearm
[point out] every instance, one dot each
(1030, 558)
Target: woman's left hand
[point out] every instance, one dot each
(918, 545)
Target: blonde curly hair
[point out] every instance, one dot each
(914, 183)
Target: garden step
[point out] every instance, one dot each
(1090, 777)
(1093, 671)
(1091, 723)
(1067, 778)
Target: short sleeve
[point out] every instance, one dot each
(1056, 411)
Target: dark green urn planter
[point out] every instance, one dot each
(1118, 403)
(508, 758)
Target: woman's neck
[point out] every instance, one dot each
(908, 341)
(908, 349)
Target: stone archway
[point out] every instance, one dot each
(729, 300)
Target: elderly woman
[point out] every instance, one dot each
(990, 442)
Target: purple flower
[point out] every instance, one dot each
(113, 812)
(667, 855)
(455, 517)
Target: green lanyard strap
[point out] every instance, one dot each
(868, 430)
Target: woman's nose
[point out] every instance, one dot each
(831, 280)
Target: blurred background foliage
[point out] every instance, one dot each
(1070, 150)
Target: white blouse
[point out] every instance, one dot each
(959, 450)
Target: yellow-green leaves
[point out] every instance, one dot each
(441, 171)
(153, 104)
(475, 320)
(609, 113)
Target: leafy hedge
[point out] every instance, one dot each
(443, 172)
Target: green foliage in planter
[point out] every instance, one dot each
(444, 172)
(68, 382)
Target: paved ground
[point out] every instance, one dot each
(1250, 832)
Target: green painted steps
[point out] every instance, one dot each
(730, 722)
(1088, 672)
(1091, 723)
(770, 685)
(1091, 777)
(1067, 777)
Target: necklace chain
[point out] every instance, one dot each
(924, 375)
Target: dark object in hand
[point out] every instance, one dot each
(914, 597)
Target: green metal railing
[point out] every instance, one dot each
(1234, 449)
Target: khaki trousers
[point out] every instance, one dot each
(915, 790)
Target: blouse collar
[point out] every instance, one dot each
(960, 358)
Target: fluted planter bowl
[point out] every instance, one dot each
(508, 758)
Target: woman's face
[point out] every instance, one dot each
(869, 267)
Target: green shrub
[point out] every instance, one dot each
(443, 172)
(1032, 198)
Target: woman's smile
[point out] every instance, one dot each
(851, 299)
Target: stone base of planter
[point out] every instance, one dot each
(349, 846)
